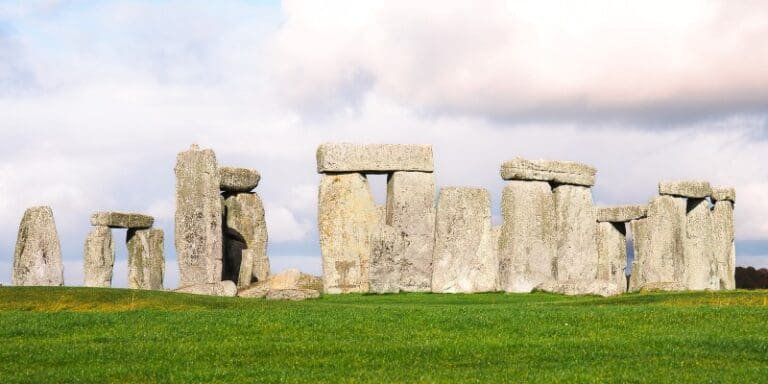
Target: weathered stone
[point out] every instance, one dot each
(700, 267)
(146, 263)
(411, 211)
(99, 259)
(723, 248)
(293, 278)
(612, 254)
(576, 233)
(237, 180)
(689, 188)
(198, 217)
(560, 172)
(527, 242)
(347, 215)
(122, 220)
(292, 294)
(658, 243)
(245, 223)
(621, 213)
(255, 291)
(667, 286)
(372, 158)
(245, 274)
(724, 194)
(386, 261)
(579, 287)
(465, 259)
(219, 288)
(37, 258)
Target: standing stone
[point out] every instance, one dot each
(99, 257)
(146, 263)
(465, 258)
(612, 254)
(386, 260)
(411, 210)
(700, 267)
(723, 246)
(527, 243)
(576, 233)
(347, 215)
(245, 222)
(245, 274)
(37, 259)
(658, 243)
(198, 217)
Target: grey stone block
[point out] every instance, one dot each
(560, 172)
(374, 158)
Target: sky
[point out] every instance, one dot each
(98, 97)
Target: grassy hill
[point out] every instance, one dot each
(113, 335)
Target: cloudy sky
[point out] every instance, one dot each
(97, 98)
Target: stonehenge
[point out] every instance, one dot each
(146, 261)
(551, 238)
(37, 258)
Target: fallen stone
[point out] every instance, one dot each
(662, 286)
(372, 158)
(689, 188)
(658, 243)
(465, 258)
(612, 254)
(621, 213)
(222, 288)
(700, 267)
(146, 263)
(724, 194)
(99, 257)
(37, 258)
(255, 291)
(198, 217)
(292, 294)
(386, 260)
(347, 215)
(411, 211)
(579, 287)
(121, 220)
(527, 244)
(560, 172)
(723, 246)
(295, 279)
(245, 222)
(576, 233)
(238, 180)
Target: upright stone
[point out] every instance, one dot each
(146, 263)
(527, 242)
(612, 254)
(198, 217)
(700, 267)
(465, 258)
(576, 233)
(723, 246)
(245, 275)
(411, 211)
(99, 257)
(658, 243)
(386, 260)
(347, 215)
(245, 222)
(37, 258)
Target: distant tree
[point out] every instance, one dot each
(751, 278)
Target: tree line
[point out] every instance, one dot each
(751, 278)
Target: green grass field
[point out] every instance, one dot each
(55, 335)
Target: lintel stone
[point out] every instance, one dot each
(121, 220)
(695, 189)
(561, 172)
(621, 213)
(238, 179)
(724, 194)
(374, 158)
